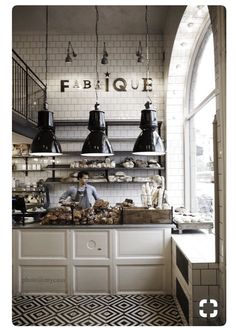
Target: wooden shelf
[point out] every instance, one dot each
(28, 170)
(29, 213)
(127, 153)
(78, 153)
(19, 156)
(29, 156)
(108, 122)
(111, 139)
(58, 180)
(68, 168)
(117, 168)
(34, 204)
(26, 191)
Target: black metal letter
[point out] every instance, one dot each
(147, 84)
(87, 84)
(121, 87)
(107, 81)
(63, 85)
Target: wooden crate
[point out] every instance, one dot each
(141, 215)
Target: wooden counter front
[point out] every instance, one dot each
(92, 261)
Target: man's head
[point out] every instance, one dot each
(82, 177)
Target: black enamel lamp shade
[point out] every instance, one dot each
(45, 142)
(148, 142)
(97, 143)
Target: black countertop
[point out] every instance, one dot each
(92, 226)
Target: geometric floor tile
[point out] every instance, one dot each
(99, 310)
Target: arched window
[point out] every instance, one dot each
(200, 117)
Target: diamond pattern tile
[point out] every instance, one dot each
(99, 310)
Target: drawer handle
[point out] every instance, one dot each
(99, 249)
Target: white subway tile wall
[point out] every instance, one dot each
(75, 103)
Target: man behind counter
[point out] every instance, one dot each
(83, 194)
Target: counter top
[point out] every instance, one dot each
(198, 248)
(92, 226)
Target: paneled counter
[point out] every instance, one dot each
(96, 259)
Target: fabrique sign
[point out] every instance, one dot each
(118, 84)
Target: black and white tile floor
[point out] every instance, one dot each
(104, 310)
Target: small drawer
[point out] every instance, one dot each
(94, 244)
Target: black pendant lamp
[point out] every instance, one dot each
(148, 142)
(45, 142)
(97, 143)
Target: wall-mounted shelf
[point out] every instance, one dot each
(127, 153)
(27, 156)
(28, 167)
(68, 168)
(122, 153)
(28, 170)
(108, 122)
(20, 191)
(58, 180)
(114, 139)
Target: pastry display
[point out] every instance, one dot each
(57, 215)
(83, 164)
(119, 177)
(100, 203)
(187, 220)
(129, 162)
(100, 213)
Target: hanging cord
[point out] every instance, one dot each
(46, 62)
(147, 52)
(97, 75)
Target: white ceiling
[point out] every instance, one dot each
(81, 19)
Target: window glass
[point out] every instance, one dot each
(202, 160)
(204, 74)
(201, 130)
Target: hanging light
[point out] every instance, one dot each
(97, 143)
(70, 51)
(139, 53)
(45, 142)
(104, 60)
(148, 142)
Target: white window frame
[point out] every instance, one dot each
(190, 113)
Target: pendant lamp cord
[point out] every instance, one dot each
(46, 62)
(147, 52)
(97, 75)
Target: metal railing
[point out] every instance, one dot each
(28, 91)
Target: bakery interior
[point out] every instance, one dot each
(135, 97)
